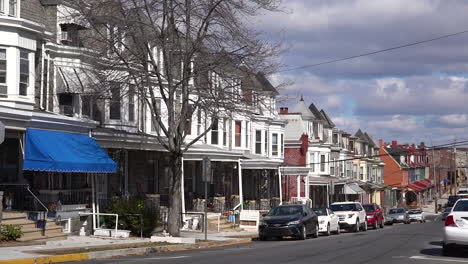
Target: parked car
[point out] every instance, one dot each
(351, 215)
(289, 220)
(452, 199)
(328, 221)
(374, 215)
(416, 215)
(446, 212)
(397, 215)
(456, 227)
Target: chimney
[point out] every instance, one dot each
(283, 110)
(381, 143)
(394, 143)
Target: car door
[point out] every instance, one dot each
(307, 219)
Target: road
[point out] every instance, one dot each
(416, 243)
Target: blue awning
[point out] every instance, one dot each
(55, 151)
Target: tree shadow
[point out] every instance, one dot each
(456, 252)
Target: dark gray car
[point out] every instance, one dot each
(446, 212)
(397, 215)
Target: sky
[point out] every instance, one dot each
(415, 94)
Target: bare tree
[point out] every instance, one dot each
(187, 54)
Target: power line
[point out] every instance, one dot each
(375, 52)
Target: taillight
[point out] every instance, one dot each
(449, 221)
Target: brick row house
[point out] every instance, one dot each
(407, 170)
(43, 88)
(324, 164)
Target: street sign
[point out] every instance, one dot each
(2, 132)
(207, 175)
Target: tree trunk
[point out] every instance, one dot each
(175, 196)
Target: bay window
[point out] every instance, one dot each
(214, 132)
(24, 73)
(322, 163)
(3, 71)
(258, 142)
(114, 109)
(274, 144)
(238, 133)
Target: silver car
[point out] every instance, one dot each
(416, 215)
(397, 215)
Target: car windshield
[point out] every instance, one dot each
(321, 211)
(343, 207)
(461, 206)
(369, 208)
(414, 212)
(285, 210)
(396, 211)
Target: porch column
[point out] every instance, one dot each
(241, 196)
(298, 187)
(280, 187)
(1, 206)
(182, 188)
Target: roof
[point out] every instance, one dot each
(369, 139)
(266, 84)
(301, 108)
(328, 120)
(316, 112)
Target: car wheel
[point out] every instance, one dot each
(382, 224)
(303, 234)
(328, 230)
(356, 226)
(316, 232)
(338, 229)
(364, 227)
(263, 238)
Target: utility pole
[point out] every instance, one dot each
(455, 165)
(436, 206)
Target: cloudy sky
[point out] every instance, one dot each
(413, 94)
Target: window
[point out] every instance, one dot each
(66, 104)
(247, 134)
(3, 68)
(2, 7)
(86, 106)
(282, 145)
(214, 132)
(361, 173)
(332, 168)
(258, 142)
(322, 163)
(351, 145)
(225, 130)
(315, 128)
(274, 144)
(13, 4)
(157, 109)
(24, 73)
(131, 104)
(199, 121)
(45, 83)
(188, 118)
(335, 138)
(238, 132)
(114, 109)
(116, 40)
(354, 171)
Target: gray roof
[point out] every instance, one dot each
(300, 107)
(316, 112)
(328, 120)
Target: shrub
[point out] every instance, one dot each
(129, 219)
(10, 232)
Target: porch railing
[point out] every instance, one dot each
(19, 197)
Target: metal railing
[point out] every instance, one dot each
(21, 198)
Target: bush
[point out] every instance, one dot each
(129, 219)
(10, 232)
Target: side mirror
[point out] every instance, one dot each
(304, 213)
(264, 214)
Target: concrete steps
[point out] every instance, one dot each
(30, 231)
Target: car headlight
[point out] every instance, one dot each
(322, 222)
(370, 216)
(294, 222)
(350, 215)
(401, 216)
(262, 223)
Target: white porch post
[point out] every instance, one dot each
(241, 196)
(280, 186)
(298, 183)
(93, 197)
(182, 189)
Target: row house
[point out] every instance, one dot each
(44, 87)
(324, 164)
(442, 169)
(407, 170)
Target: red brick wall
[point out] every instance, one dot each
(392, 172)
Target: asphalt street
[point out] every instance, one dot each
(400, 243)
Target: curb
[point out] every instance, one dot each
(118, 253)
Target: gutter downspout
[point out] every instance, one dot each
(241, 196)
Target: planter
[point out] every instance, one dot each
(120, 233)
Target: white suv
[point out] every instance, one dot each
(351, 215)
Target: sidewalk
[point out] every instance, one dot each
(104, 247)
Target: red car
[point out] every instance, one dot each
(374, 215)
